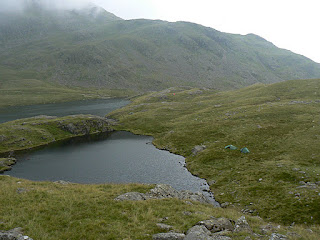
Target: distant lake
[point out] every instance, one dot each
(117, 157)
(98, 107)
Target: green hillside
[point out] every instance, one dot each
(279, 179)
(93, 48)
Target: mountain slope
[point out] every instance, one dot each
(91, 47)
(279, 179)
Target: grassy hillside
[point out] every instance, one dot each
(279, 123)
(27, 88)
(54, 211)
(32, 132)
(93, 48)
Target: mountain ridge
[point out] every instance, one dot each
(73, 48)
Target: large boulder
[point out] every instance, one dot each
(198, 232)
(131, 196)
(168, 236)
(217, 224)
(242, 225)
(162, 191)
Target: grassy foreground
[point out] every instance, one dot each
(278, 123)
(49, 210)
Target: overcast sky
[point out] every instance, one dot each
(289, 24)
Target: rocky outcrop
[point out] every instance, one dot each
(6, 163)
(217, 224)
(14, 234)
(162, 191)
(86, 126)
(219, 229)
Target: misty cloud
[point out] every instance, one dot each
(19, 5)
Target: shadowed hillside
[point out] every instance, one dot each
(90, 47)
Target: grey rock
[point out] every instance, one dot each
(14, 234)
(277, 236)
(168, 236)
(294, 235)
(242, 225)
(164, 226)
(217, 224)
(197, 149)
(62, 182)
(218, 237)
(266, 229)
(198, 232)
(131, 196)
(225, 204)
(187, 213)
(162, 191)
(22, 190)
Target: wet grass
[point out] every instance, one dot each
(47, 210)
(278, 123)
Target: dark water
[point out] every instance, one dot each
(119, 157)
(96, 107)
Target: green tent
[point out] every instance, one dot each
(230, 147)
(244, 150)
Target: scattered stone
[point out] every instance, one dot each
(267, 229)
(217, 224)
(22, 190)
(62, 182)
(131, 196)
(187, 213)
(14, 234)
(197, 149)
(225, 204)
(293, 235)
(242, 225)
(168, 236)
(277, 236)
(198, 232)
(164, 219)
(164, 226)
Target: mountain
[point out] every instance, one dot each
(90, 47)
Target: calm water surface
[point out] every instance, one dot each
(98, 107)
(118, 157)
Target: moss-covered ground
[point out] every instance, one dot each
(51, 211)
(33, 132)
(278, 123)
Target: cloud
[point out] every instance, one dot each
(19, 5)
